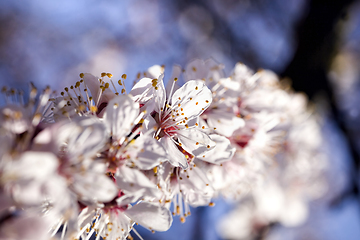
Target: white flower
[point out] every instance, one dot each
(123, 122)
(77, 144)
(176, 121)
(219, 115)
(89, 96)
(115, 219)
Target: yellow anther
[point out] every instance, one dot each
(155, 169)
(178, 209)
(82, 107)
(103, 74)
(109, 75)
(196, 88)
(197, 103)
(93, 109)
(81, 75)
(180, 144)
(120, 83)
(207, 101)
(211, 204)
(123, 76)
(203, 127)
(107, 85)
(123, 91)
(194, 69)
(66, 89)
(208, 146)
(197, 143)
(182, 219)
(187, 126)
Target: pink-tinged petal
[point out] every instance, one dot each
(224, 123)
(175, 157)
(91, 186)
(222, 152)
(195, 141)
(149, 152)
(196, 187)
(192, 99)
(132, 181)
(120, 115)
(151, 216)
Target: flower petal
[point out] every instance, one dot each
(191, 99)
(149, 152)
(225, 123)
(195, 141)
(120, 115)
(222, 152)
(176, 158)
(151, 216)
(133, 182)
(195, 186)
(94, 187)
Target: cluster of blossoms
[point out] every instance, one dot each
(95, 160)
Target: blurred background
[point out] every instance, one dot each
(314, 43)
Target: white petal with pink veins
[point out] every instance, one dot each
(151, 216)
(195, 141)
(225, 123)
(192, 99)
(120, 115)
(175, 157)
